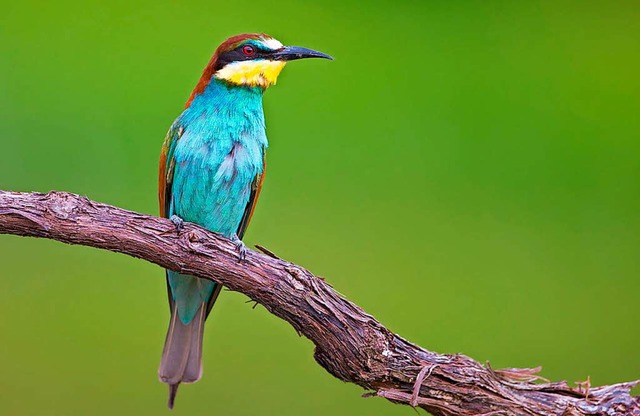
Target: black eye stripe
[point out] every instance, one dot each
(238, 54)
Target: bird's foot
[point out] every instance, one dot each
(178, 222)
(242, 249)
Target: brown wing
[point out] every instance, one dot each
(165, 169)
(165, 180)
(256, 186)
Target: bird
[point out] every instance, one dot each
(212, 165)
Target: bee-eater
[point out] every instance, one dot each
(212, 166)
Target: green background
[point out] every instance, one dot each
(467, 172)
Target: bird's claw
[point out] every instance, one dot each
(242, 249)
(178, 222)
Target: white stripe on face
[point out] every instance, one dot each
(271, 43)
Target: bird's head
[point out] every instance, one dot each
(251, 60)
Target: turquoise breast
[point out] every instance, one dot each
(219, 155)
(217, 158)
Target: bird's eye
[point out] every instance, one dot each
(248, 50)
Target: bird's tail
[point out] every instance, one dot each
(182, 355)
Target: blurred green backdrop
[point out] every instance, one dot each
(468, 173)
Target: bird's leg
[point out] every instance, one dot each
(178, 222)
(242, 249)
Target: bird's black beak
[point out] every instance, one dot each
(290, 53)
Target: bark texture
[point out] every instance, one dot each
(350, 344)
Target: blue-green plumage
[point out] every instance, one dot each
(217, 158)
(213, 159)
(211, 170)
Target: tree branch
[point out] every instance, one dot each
(350, 344)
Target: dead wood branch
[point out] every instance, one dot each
(350, 344)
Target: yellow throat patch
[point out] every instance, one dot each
(262, 72)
